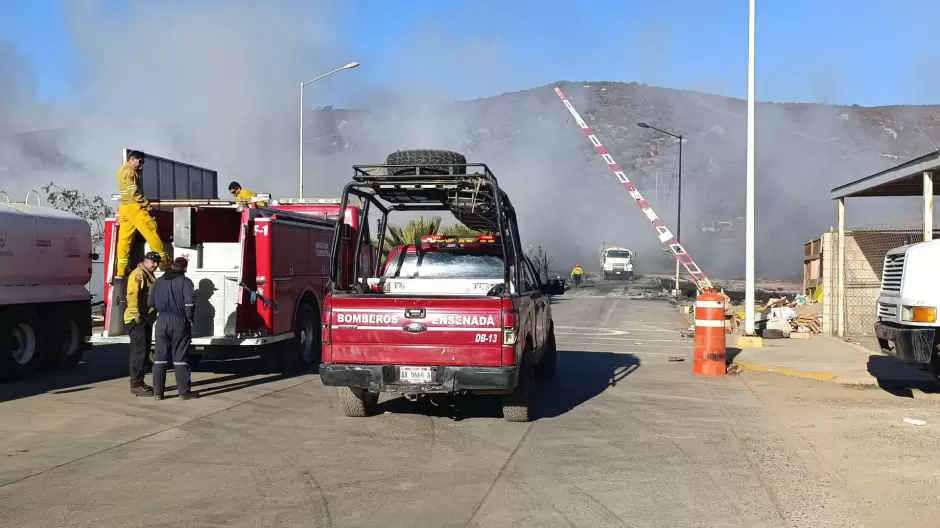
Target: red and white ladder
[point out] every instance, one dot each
(665, 236)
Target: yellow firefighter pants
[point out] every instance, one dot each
(132, 219)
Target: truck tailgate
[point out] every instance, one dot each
(414, 331)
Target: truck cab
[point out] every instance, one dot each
(906, 325)
(447, 315)
(617, 263)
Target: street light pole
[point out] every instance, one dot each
(749, 200)
(349, 66)
(679, 193)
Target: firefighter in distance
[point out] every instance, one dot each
(134, 214)
(577, 274)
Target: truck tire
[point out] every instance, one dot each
(545, 370)
(772, 333)
(21, 344)
(66, 344)
(358, 403)
(304, 351)
(427, 157)
(520, 405)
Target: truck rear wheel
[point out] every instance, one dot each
(441, 158)
(520, 405)
(545, 370)
(305, 350)
(358, 403)
(66, 343)
(21, 344)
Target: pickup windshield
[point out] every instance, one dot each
(618, 254)
(446, 265)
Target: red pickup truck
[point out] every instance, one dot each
(448, 315)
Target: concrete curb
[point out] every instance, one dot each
(818, 376)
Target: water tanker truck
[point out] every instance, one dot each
(45, 309)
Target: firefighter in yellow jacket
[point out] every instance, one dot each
(243, 196)
(139, 319)
(134, 214)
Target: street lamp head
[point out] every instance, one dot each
(642, 125)
(350, 66)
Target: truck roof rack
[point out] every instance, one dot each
(471, 198)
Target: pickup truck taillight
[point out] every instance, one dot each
(510, 326)
(327, 317)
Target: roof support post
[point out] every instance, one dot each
(840, 329)
(928, 206)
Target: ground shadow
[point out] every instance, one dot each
(899, 378)
(730, 354)
(101, 363)
(580, 376)
(110, 362)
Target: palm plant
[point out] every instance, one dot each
(411, 232)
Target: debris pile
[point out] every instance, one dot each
(796, 319)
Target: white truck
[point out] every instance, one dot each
(906, 325)
(45, 309)
(617, 263)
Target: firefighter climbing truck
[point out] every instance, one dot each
(45, 309)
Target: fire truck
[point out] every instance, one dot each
(259, 272)
(45, 310)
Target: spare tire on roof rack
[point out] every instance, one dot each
(474, 207)
(432, 162)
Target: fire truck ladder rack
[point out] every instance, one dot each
(471, 198)
(665, 236)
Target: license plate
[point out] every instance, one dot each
(416, 374)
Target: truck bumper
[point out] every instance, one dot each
(101, 339)
(449, 379)
(913, 345)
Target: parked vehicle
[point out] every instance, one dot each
(260, 272)
(45, 310)
(448, 315)
(617, 263)
(907, 326)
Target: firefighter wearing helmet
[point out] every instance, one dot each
(577, 274)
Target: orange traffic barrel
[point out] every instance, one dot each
(709, 356)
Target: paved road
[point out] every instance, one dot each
(627, 438)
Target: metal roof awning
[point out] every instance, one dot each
(905, 179)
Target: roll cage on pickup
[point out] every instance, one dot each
(475, 200)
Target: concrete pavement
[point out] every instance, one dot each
(627, 438)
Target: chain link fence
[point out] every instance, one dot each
(865, 250)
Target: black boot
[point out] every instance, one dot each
(141, 390)
(191, 395)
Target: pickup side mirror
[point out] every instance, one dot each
(554, 287)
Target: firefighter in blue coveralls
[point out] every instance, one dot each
(172, 296)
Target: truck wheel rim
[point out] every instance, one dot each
(25, 338)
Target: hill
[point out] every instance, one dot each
(567, 199)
